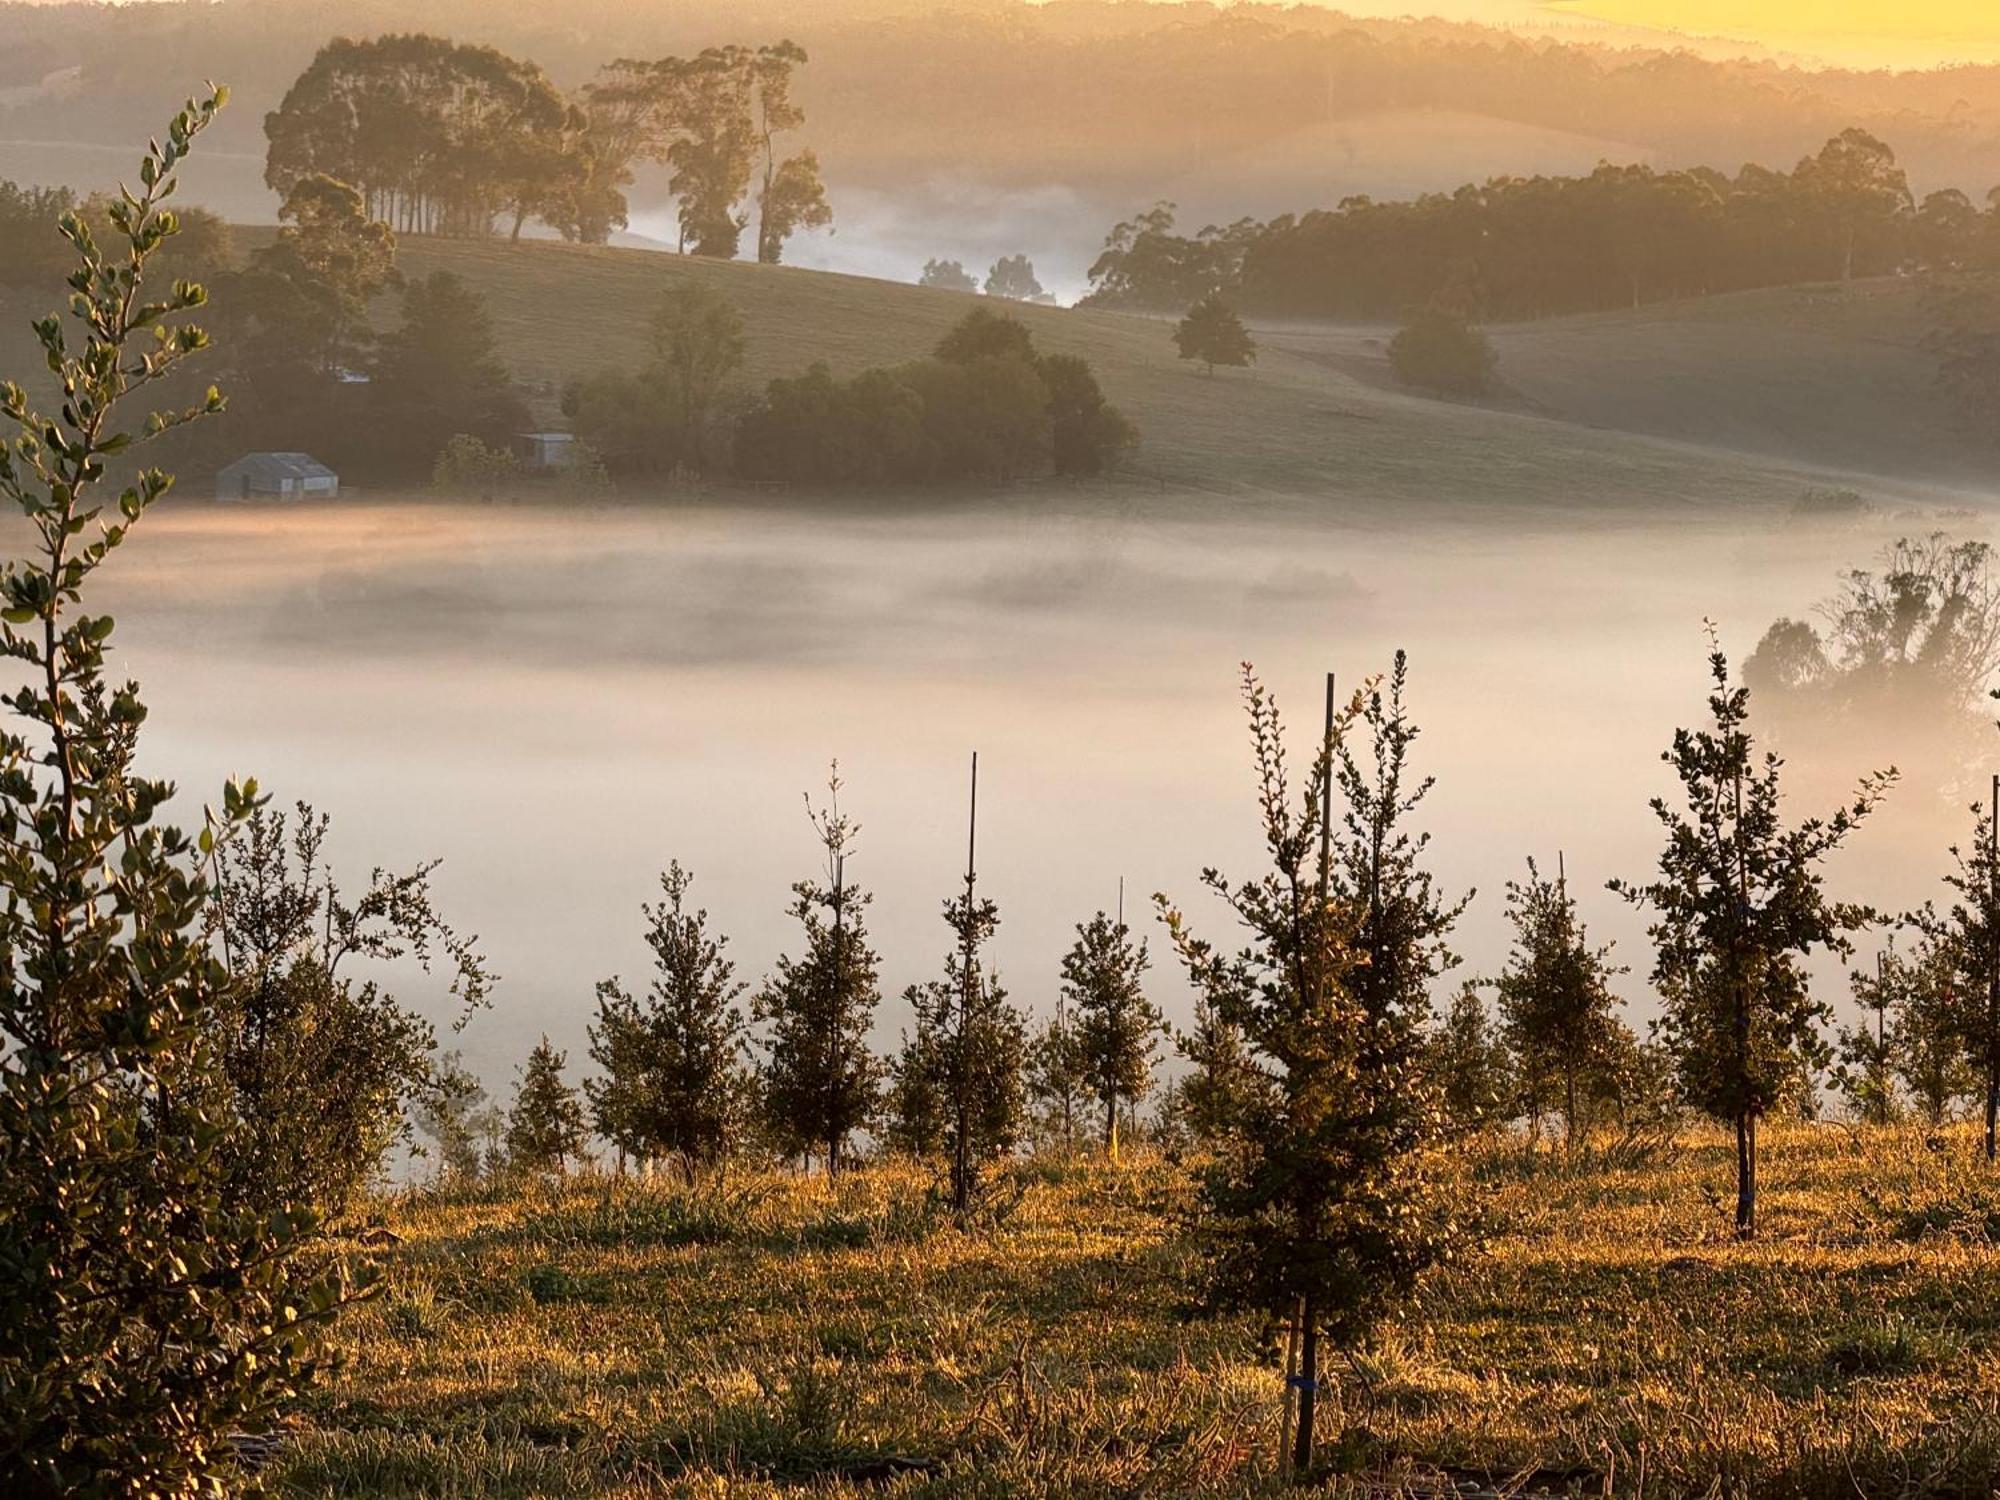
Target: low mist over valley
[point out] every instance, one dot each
(943, 748)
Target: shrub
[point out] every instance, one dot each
(1441, 351)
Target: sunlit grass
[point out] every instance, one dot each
(613, 1338)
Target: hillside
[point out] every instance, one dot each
(1744, 399)
(1826, 376)
(1630, 410)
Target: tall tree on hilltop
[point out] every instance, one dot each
(792, 197)
(1324, 1202)
(820, 1081)
(1117, 1027)
(673, 1083)
(1738, 906)
(1855, 184)
(1013, 278)
(1555, 995)
(148, 1316)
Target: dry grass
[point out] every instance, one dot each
(625, 1339)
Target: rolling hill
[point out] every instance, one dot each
(1739, 399)
(1745, 399)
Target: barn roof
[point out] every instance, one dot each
(272, 467)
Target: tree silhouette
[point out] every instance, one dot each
(149, 1312)
(545, 1127)
(820, 1081)
(673, 1082)
(1738, 906)
(1212, 333)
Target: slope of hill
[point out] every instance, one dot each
(1744, 399)
(1826, 376)
(1738, 399)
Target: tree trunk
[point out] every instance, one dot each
(1746, 1176)
(1992, 1107)
(1111, 1127)
(1302, 1440)
(1569, 1112)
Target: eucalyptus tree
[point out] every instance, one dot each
(820, 1082)
(1738, 907)
(1117, 1027)
(1324, 1201)
(673, 1082)
(148, 1314)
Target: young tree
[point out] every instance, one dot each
(1117, 1027)
(1925, 1046)
(1057, 1079)
(1324, 1202)
(1970, 932)
(1555, 996)
(948, 276)
(820, 1081)
(147, 1315)
(1738, 907)
(545, 1128)
(1472, 1066)
(1212, 333)
(1866, 1071)
(453, 1114)
(1222, 1088)
(324, 1068)
(1013, 277)
(1403, 925)
(974, 1039)
(672, 1081)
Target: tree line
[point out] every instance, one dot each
(443, 137)
(1527, 247)
(986, 406)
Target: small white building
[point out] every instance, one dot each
(277, 476)
(545, 450)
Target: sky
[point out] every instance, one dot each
(1865, 33)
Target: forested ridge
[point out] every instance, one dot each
(902, 86)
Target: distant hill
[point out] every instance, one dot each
(1062, 117)
(1739, 399)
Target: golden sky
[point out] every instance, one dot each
(1854, 31)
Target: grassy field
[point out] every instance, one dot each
(778, 1334)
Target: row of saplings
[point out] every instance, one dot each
(195, 1085)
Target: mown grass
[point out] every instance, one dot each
(633, 1338)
